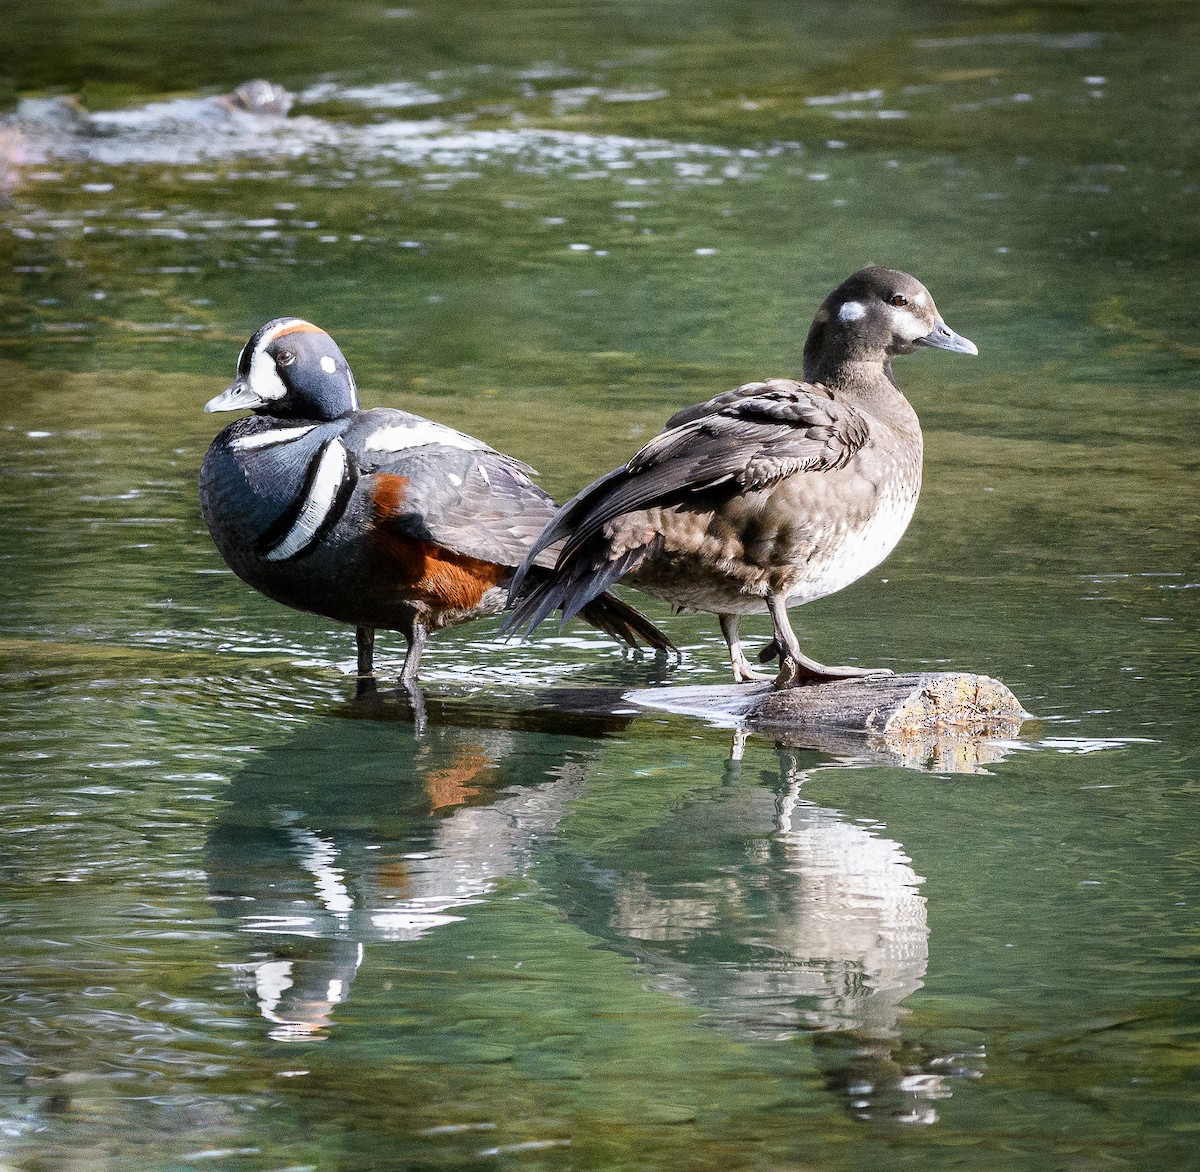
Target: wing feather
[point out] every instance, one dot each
(456, 491)
(752, 441)
(750, 437)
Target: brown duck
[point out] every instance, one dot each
(767, 496)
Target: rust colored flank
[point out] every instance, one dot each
(428, 572)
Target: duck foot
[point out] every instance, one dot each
(743, 673)
(799, 671)
(750, 676)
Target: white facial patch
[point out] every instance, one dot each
(906, 324)
(397, 437)
(264, 378)
(852, 311)
(328, 365)
(332, 466)
(269, 438)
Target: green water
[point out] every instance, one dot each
(251, 923)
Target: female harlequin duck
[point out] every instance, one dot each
(767, 496)
(376, 518)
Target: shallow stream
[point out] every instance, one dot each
(251, 923)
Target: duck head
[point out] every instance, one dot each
(290, 369)
(873, 316)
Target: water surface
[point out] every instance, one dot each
(251, 922)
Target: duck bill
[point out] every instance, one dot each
(942, 337)
(236, 397)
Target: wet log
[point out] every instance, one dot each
(948, 721)
(912, 703)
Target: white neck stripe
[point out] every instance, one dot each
(269, 438)
(332, 466)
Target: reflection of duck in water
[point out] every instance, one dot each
(315, 867)
(820, 930)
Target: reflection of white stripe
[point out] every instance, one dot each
(271, 979)
(305, 925)
(398, 436)
(269, 438)
(320, 860)
(331, 474)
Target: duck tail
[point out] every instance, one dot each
(576, 589)
(624, 622)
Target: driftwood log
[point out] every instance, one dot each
(917, 702)
(944, 721)
(948, 721)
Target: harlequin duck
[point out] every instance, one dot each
(377, 518)
(767, 496)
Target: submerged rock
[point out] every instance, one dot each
(14, 153)
(255, 120)
(263, 98)
(177, 130)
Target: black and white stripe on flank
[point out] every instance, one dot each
(321, 504)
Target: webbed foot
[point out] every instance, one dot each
(799, 671)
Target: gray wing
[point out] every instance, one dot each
(431, 483)
(745, 391)
(752, 441)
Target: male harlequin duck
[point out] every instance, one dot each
(376, 518)
(767, 496)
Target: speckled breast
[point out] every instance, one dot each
(808, 536)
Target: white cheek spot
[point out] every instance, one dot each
(455, 480)
(264, 378)
(398, 436)
(328, 365)
(906, 324)
(852, 311)
(921, 298)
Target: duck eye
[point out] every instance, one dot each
(284, 358)
(897, 299)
